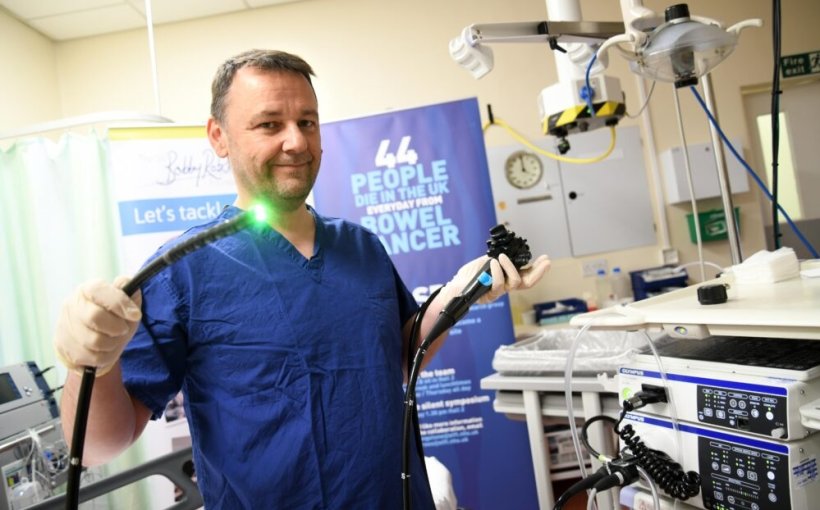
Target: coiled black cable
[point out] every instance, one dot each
(668, 474)
(660, 467)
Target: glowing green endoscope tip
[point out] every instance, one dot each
(260, 213)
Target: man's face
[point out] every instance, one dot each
(270, 135)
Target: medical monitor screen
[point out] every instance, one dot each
(8, 391)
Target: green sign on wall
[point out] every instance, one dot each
(801, 64)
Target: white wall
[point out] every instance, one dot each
(376, 55)
(29, 93)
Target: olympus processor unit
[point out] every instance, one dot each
(751, 385)
(740, 378)
(737, 471)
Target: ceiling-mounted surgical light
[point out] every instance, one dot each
(681, 50)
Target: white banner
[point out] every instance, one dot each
(165, 180)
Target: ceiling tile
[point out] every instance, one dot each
(169, 11)
(27, 9)
(264, 3)
(92, 22)
(69, 19)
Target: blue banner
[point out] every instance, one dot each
(419, 179)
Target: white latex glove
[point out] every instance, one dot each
(95, 324)
(505, 276)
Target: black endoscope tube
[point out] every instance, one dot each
(75, 466)
(409, 401)
(409, 406)
(449, 315)
(501, 241)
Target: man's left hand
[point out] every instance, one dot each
(504, 273)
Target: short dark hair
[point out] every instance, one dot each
(270, 60)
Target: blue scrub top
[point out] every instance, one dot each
(290, 368)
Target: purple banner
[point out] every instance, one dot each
(419, 179)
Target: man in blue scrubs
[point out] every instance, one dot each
(288, 340)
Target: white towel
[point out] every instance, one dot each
(767, 267)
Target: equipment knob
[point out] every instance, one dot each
(677, 11)
(712, 294)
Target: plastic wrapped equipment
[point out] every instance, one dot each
(546, 352)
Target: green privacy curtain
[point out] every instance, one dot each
(56, 231)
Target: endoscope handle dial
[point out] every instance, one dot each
(501, 241)
(505, 241)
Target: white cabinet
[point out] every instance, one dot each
(537, 213)
(704, 172)
(574, 209)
